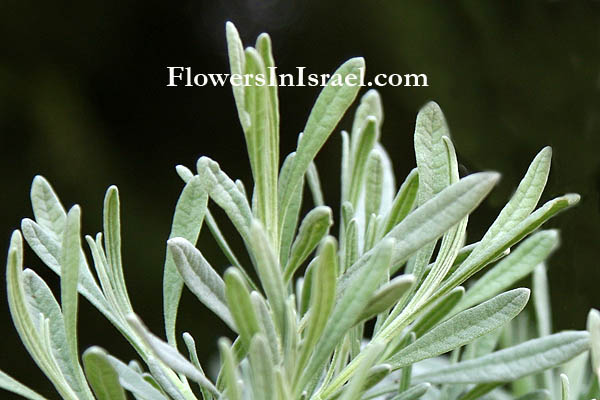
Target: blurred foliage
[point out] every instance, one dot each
(83, 101)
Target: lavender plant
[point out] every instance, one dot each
(388, 310)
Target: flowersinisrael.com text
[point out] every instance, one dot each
(183, 76)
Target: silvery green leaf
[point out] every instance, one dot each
(389, 179)
(564, 380)
(130, 379)
(269, 272)
(387, 295)
(187, 222)
(433, 218)
(102, 376)
(264, 47)
(240, 305)
(36, 341)
(201, 278)
(48, 250)
(463, 328)
(322, 297)
(329, 108)
(47, 208)
(430, 152)
(184, 173)
(112, 243)
(12, 385)
(237, 65)
(349, 307)
(374, 183)
(170, 356)
(267, 325)
(404, 202)
(226, 194)
(41, 301)
(505, 240)
(166, 380)
(593, 327)
(191, 347)
(511, 269)
(313, 228)
(69, 274)
(262, 369)
(357, 384)
(263, 145)
(413, 393)
(351, 250)
(525, 199)
(364, 144)
(307, 286)
(290, 223)
(370, 106)
(479, 391)
(312, 176)
(438, 311)
(230, 376)
(515, 362)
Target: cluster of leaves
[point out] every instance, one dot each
(396, 269)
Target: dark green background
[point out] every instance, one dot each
(83, 101)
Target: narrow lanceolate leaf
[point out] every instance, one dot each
(267, 325)
(511, 269)
(32, 337)
(12, 385)
(187, 222)
(364, 144)
(593, 327)
(509, 364)
(226, 194)
(269, 272)
(565, 389)
(262, 145)
(48, 249)
(70, 261)
(438, 311)
(374, 183)
(40, 300)
(463, 328)
(230, 375)
(349, 307)
(237, 65)
(433, 218)
(130, 379)
(322, 297)
(201, 278)
(504, 241)
(370, 106)
(240, 305)
(525, 199)
(312, 177)
(262, 372)
(102, 376)
(404, 202)
(430, 152)
(541, 300)
(112, 243)
(48, 210)
(332, 103)
(313, 228)
(290, 222)
(170, 356)
(388, 295)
